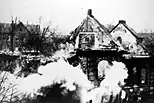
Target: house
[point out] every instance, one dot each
(129, 39)
(140, 57)
(90, 34)
(12, 35)
(93, 42)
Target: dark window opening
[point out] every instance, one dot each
(20, 29)
(86, 40)
(119, 39)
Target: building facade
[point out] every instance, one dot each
(13, 35)
(93, 42)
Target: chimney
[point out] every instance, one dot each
(90, 13)
(122, 21)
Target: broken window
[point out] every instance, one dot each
(119, 39)
(86, 40)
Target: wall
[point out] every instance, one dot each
(129, 42)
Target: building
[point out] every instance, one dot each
(13, 35)
(90, 34)
(93, 42)
(129, 39)
(140, 56)
(5, 29)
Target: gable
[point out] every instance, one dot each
(102, 39)
(21, 29)
(123, 34)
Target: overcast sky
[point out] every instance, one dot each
(68, 14)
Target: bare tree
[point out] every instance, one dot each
(13, 26)
(8, 90)
(7, 34)
(46, 42)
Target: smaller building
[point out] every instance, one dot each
(129, 39)
(93, 42)
(13, 35)
(139, 61)
(91, 34)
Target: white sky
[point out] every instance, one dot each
(68, 14)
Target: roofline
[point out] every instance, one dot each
(17, 27)
(100, 25)
(29, 32)
(107, 32)
(138, 40)
(126, 26)
(78, 27)
(114, 28)
(23, 26)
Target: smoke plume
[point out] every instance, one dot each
(60, 82)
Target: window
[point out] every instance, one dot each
(119, 39)
(86, 40)
(20, 29)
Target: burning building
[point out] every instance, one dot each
(106, 59)
(93, 43)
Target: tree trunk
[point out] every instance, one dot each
(12, 41)
(12, 36)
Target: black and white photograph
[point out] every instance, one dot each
(76, 51)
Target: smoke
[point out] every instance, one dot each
(110, 86)
(70, 79)
(103, 67)
(115, 78)
(59, 81)
(60, 75)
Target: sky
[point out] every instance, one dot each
(66, 15)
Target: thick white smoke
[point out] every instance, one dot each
(114, 78)
(103, 67)
(70, 77)
(52, 73)
(56, 72)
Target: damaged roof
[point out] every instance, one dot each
(134, 33)
(91, 24)
(7, 27)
